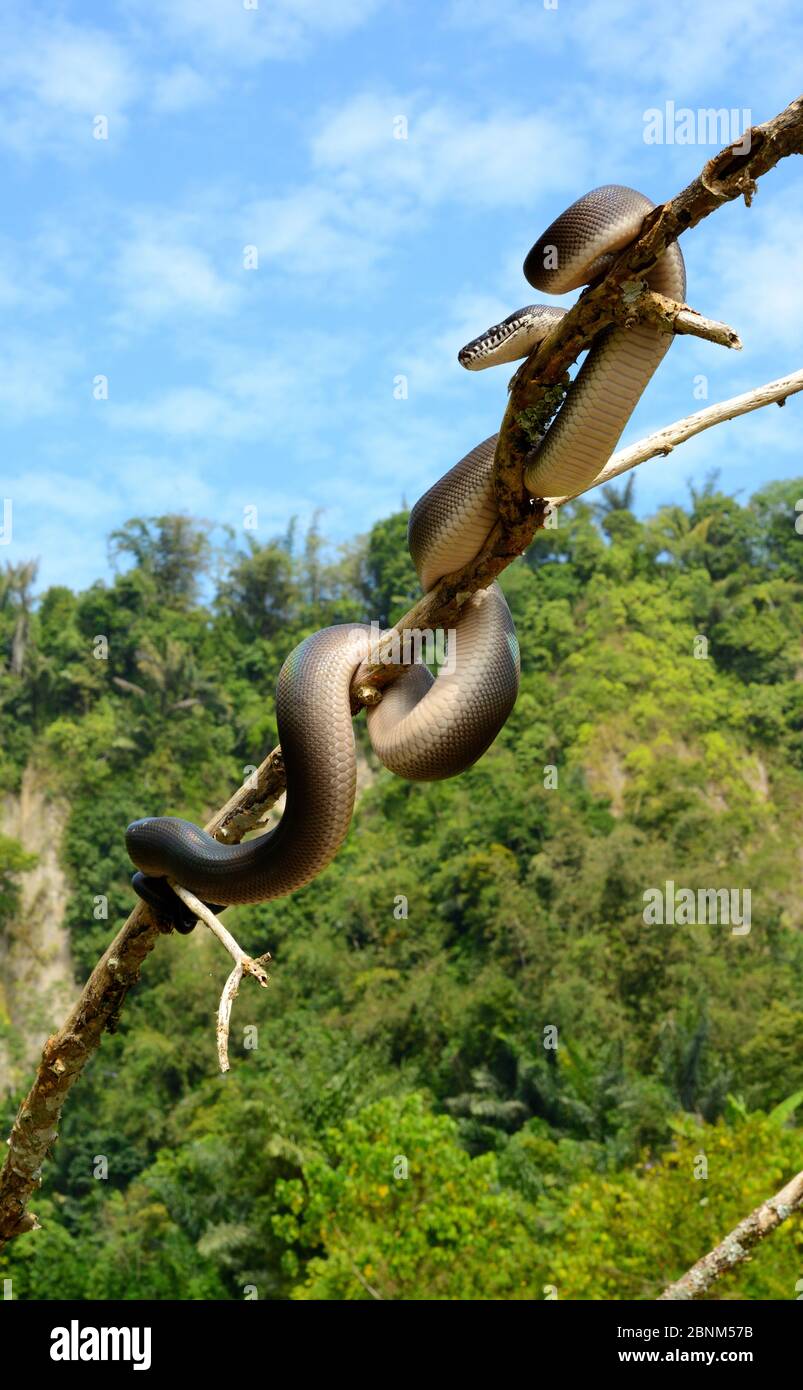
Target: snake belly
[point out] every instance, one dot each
(426, 727)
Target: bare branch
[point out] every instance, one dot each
(243, 964)
(738, 1243)
(246, 963)
(663, 441)
(227, 998)
(67, 1052)
(639, 305)
(64, 1057)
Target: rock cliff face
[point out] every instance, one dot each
(36, 975)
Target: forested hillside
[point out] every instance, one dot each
(478, 1072)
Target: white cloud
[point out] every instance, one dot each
(248, 396)
(156, 278)
(76, 72)
(673, 46)
(63, 518)
(753, 281)
(178, 89)
(430, 358)
(368, 190)
(34, 376)
(185, 410)
(449, 154)
(24, 283)
(320, 231)
(247, 33)
(56, 77)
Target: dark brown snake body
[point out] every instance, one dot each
(424, 727)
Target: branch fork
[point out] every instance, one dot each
(243, 965)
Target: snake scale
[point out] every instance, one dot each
(429, 727)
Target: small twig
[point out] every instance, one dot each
(205, 915)
(738, 1243)
(663, 441)
(243, 965)
(369, 1288)
(639, 304)
(691, 321)
(227, 999)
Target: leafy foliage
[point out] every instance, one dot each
(471, 986)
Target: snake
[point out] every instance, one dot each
(427, 727)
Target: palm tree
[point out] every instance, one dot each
(16, 585)
(682, 537)
(616, 499)
(171, 680)
(173, 549)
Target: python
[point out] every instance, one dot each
(428, 727)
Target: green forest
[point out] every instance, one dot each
(477, 1072)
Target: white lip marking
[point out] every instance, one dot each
(497, 344)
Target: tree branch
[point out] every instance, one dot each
(67, 1052)
(636, 304)
(537, 392)
(738, 1243)
(243, 965)
(665, 439)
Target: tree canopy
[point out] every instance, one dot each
(477, 1072)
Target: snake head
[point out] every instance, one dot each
(514, 337)
(158, 894)
(139, 841)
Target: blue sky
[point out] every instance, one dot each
(273, 127)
